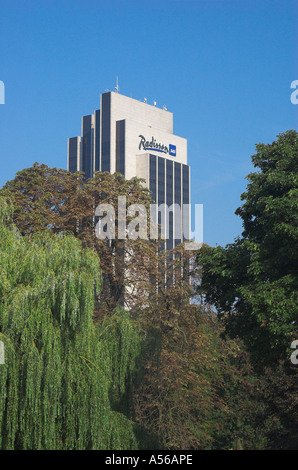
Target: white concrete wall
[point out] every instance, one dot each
(123, 107)
(132, 141)
(142, 167)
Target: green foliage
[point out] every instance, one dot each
(242, 419)
(55, 200)
(254, 280)
(121, 336)
(175, 396)
(80, 374)
(59, 367)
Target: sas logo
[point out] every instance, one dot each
(172, 150)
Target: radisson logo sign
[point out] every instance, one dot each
(156, 146)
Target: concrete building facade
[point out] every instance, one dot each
(136, 139)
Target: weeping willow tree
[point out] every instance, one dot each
(62, 373)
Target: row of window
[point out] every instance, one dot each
(169, 183)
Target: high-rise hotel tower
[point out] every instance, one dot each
(136, 139)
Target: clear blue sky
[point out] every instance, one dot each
(224, 68)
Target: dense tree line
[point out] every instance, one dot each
(253, 282)
(60, 367)
(201, 362)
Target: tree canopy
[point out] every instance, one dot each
(55, 200)
(81, 372)
(253, 281)
(62, 372)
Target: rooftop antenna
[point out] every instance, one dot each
(145, 100)
(117, 86)
(164, 107)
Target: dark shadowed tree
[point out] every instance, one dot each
(253, 282)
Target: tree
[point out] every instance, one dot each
(253, 282)
(173, 397)
(44, 199)
(54, 200)
(158, 375)
(195, 390)
(62, 372)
